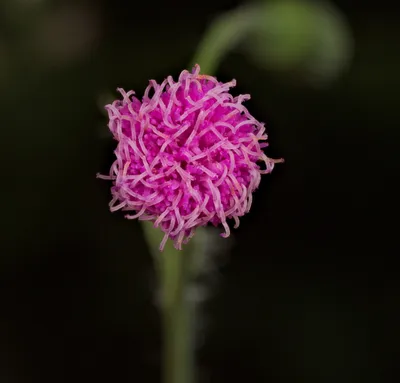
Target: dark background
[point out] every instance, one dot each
(308, 292)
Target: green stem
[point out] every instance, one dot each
(177, 310)
(176, 271)
(224, 34)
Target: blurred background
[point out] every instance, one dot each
(308, 290)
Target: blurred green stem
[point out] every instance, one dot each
(177, 310)
(222, 35)
(177, 271)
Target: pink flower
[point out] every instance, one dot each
(187, 155)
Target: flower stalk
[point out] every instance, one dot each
(177, 312)
(177, 272)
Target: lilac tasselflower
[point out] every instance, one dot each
(188, 154)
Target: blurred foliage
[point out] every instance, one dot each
(311, 39)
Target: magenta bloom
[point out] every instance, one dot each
(187, 155)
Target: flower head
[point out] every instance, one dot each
(187, 155)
